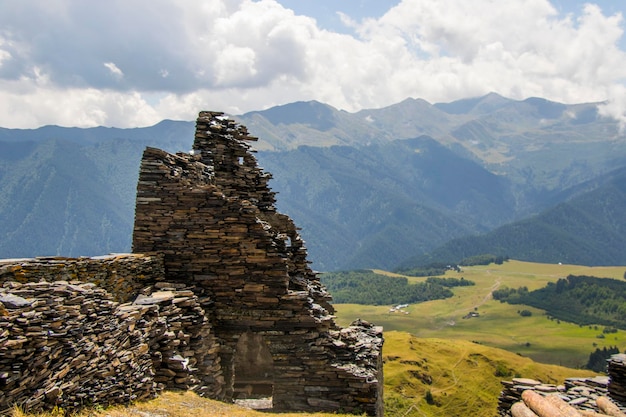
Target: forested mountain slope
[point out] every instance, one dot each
(373, 206)
(71, 192)
(589, 229)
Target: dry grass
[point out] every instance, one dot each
(175, 404)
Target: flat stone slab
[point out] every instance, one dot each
(14, 301)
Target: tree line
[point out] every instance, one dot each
(598, 358)
(440, 268)
(370, 288)
(582, 300)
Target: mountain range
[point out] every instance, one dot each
(406, 184)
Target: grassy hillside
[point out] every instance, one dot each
(577, 299)
(463, 378)
(499, 324)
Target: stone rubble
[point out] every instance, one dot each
(580, 393)
(616, 369)
(70, 345)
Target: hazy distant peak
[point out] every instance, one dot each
(546, 109)
(406, 106)
(476, 105)
(414, 101)
(312, 113)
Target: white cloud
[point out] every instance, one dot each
(615, 107)
(236, 65)
(4, 55)
(24, 104)
(516, 48)
(115, 71)
(171, 59)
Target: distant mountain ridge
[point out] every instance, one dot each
(373, 206)
(589, 229)
(538, 144)
(369, 189)
(71, 191)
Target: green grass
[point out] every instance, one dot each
(463, 378)
(499, 324)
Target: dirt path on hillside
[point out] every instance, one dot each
(488, 296)
(454, 377)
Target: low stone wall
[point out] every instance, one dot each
(71, 345)
(122, 275)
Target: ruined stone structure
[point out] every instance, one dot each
(212, 216)
(122, 275)
(218, 297)
(72, 345)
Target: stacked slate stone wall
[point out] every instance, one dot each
(72, 345)
(122, 275)
(211, 215)
(616, 368)
(67, 345)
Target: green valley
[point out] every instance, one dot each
(472, 314)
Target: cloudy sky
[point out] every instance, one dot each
(133, 63)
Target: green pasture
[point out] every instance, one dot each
(463, 378)
(498, 324)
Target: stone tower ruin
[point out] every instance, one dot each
(212, 217)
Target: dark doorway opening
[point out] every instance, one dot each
(254, 372)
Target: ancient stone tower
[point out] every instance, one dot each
(211, 215)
